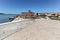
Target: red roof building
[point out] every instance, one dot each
(28, 14)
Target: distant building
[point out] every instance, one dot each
(28, 14)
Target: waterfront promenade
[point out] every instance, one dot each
(41, 29)
(9, 28)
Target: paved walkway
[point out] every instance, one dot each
(39, 30)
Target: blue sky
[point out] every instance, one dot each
(17, 6)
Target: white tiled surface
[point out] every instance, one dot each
(39, 30)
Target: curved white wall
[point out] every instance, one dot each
(9, 28)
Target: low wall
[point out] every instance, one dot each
(9, 28)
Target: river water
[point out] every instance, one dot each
(5, 18)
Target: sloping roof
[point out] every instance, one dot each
(28, 12)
